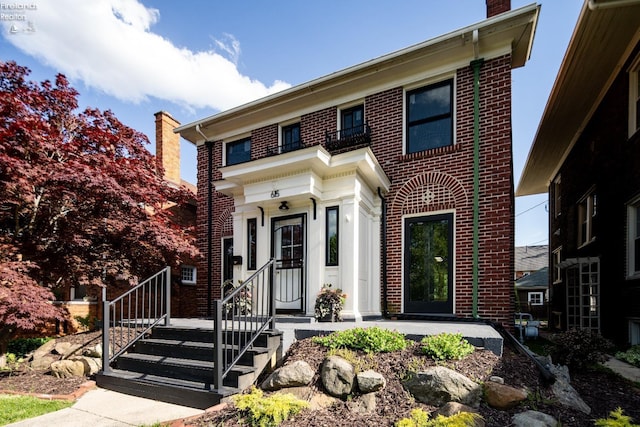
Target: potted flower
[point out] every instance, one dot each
(329, 304)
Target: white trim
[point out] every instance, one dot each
(194, 275)
(402, 255)
(539, 293)
(633, 210)
(555, 264)
(634, 76)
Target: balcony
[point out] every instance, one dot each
(285, 148)
(351, 138)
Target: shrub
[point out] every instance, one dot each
(446, 346)
(579, 348)
(419, 418)
(359, 363)
(268, 411)
(631, 356)
(23, 346)
(369, 340)
(616, 419)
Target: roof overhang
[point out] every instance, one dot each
(511, 32)
(601, 43)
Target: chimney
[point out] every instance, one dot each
(168, 146)
(496, 7)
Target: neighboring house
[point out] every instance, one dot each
(365, 179)
(531, 293)
(586, 155)
(529, 259)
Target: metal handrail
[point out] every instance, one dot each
(348, 138)
(129, 317)
(242, 316)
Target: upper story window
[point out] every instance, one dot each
(634, 97)
(429, 117)
(633, 238)
(291, 137)
(557, 193)
(352, 121)
(587, 210)
(238, 151)
(556, 271)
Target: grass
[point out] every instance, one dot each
(15, 408)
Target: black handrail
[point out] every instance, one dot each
(348, 138)
(242, 316)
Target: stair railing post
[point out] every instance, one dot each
(105, 337)
(218, 345)
(272, 296)
(167, 296)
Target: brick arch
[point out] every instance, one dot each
(430, 191)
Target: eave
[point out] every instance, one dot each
(601, 43)
(511, 32)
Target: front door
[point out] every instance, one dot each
(288, 249)
(428, 264)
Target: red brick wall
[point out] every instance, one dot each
(262, 139)
(313, 126)
(495, 7)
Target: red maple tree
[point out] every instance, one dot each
(82, 200)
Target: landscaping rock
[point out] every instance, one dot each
(452, 408)
(533, 419)
(66, 349)
(91, 364)
(564, 391)
(42, 363)
(44, 349)
(67, 368)
(496, 379)
(95, 351)
(296, 374)
(365, 404)
(321, 401)
(338, 376)
(502, 396)
(439, 385)
(370, 381)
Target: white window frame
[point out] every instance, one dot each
(587, 210)
(634, 96)
(194, 275)
(633, 210)
(538, 294)
(556, 259)
(557, 196)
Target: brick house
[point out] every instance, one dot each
(586, 155)
(365, 179)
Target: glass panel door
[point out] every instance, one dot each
(428, 264)
(289, 252)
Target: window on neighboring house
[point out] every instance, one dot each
(252, 231)
(429, 117)
(587, 210)
(188, 275)
(78, 292)
(556, 270)
(238, 151)
(557, 208)
(332, 236)
(291, 137)
(634, 97)
(352, 121)
(535, 298)
(633, 238)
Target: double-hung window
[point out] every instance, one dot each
(587, 210)
(634, 97)
(633, 238)
(238, 151)
(429, 117)
(291, 137)
(352, 121)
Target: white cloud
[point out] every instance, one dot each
(109, 46)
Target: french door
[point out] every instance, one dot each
(288, 249)
(428, 264)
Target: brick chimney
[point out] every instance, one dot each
(496, 7)
(168, 146)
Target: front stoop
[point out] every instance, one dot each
(175, 365)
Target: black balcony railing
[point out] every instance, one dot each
(285, 148)
(348, 138)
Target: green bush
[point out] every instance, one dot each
(23, 346)
(631, 356)
(580, 348)
(419, 418)
(268, 411)
(369, 340)
(616, 419)
(446, 346)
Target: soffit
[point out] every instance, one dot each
(599, 46)
(512, 32)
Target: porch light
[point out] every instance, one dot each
(284, 206)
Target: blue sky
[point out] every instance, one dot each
(195, 58)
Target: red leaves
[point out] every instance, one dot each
(81, 195)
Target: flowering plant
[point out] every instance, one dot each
(241, 302)
(329, 303)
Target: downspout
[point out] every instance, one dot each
(475, 65)
(385, 305)
(209, 219)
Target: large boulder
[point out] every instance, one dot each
(42, 363)
(66, 349)
(533, 419)
(438, 385)
(564, 391)
(67, 368)
(296, 374)
(370, 381)
(44, 350)
(502, 396)
(91, 364)
(338, 376)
